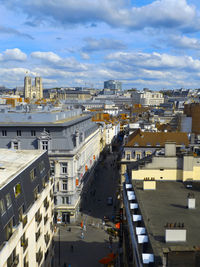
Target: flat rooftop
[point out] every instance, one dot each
(168, 204)
(12, 162)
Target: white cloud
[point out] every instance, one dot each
(85, 56)
(102, 44)
(51, 58)
(184, 42)
(152, 61)
(13, 55)
(117, 13)
(47, 56)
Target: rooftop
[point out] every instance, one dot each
(168, 204)
(12, 162)
(144, 139)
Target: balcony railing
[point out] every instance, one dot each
(24, 244)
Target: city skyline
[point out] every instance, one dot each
(152, 44)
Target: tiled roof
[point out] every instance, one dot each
(143, 139)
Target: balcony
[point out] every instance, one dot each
(47, 238)
(24, 244)
(39, 256)
(13, 262)
(38, 218)
(24, 220)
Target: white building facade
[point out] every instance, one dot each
(26, 209)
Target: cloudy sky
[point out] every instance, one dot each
(143, 43)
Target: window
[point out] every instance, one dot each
(17, 190)
(65, 200)
(16, 145)
(138, 156)
(42, 166)
(64, 167)
(2, 207)
(13, 259)
(19, 133)
(33, 133)
(52, 167)
(161, 169)
(45, 145)
(9, 229)
(64, 184)
(128, 156)
(4, 133)
(8, 201)
(33, 174)
(20, 212)
(35, 192)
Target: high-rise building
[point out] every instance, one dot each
(33, 91)
(113, 84)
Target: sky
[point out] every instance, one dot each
(142, 43)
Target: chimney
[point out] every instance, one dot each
(175, 232)
(191, 201)
(170, 149)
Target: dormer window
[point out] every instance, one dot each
(136, 144)
(15, 144)
(45, 145)
(157, 144)
(148, 144)
(44, 141)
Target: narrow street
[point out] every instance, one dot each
(85, 250)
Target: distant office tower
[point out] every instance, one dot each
(33, 91)
(113, 84)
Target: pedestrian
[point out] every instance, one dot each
(72, 248)
(82, 235)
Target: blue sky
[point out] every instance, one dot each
(143, 43)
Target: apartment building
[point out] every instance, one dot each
(142, 144)
(73, 144)
(161, 225)
(147, 98)
(26, 208)
(172, 166)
